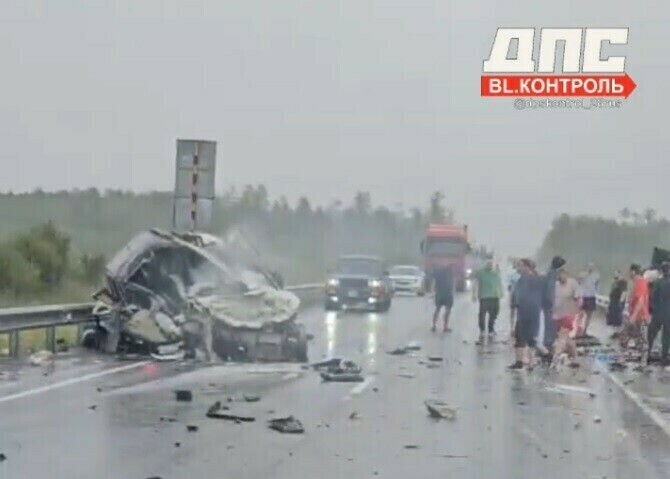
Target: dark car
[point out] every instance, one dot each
(359, 282)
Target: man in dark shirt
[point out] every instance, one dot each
(444, 295)
(660, 313)
(528, 294)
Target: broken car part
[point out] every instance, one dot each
(288, 425)
(440, 410)
(184, 396)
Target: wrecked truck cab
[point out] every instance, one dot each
(165, 290)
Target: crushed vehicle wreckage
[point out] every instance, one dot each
(168, 295)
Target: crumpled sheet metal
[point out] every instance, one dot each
(152, 327)
(252, 310)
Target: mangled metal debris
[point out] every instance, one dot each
(287, 425)
(440, 410)
(339, 370)
(215, 411)
(170, 295)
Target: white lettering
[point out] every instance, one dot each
(617, 89)
(495, 85)
(523, 86)
(590, 86)
(551, 85)
(593, 41)
(549, 38)
(604, 85)
(523, 63)
(537, 85)
(576, 84)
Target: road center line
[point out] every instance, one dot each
(71, 381)
(633, 396)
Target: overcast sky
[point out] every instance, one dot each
(323, 98)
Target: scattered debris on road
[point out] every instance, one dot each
(215, 412)
(354, 416)
(437, 359)
(341, 371)
(177, 444)
(287, 425)
(93, 407)
(342, 377)
(452, 456)
(440, 410)
(411, 446)
(192, 428)
(407, 375)
(41, 358)
(617, 366)
(3, 457)
(413, 346)
(597, 419)
(168, 419)
(398, 351)
(184, 395)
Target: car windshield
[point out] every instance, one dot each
(405, 271)
(359, 266)
(445, 248)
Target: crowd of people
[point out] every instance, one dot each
(638, 309)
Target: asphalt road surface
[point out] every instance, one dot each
(98, 418)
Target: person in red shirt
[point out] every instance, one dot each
(638, 307)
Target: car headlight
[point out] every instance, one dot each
(374, 283)
(333, 282)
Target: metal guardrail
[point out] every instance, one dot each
(15, 320)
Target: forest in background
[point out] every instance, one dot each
(609, 243)
(53, 246)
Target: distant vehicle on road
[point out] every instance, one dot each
(359, 282)
(407, 279)
(446, 245)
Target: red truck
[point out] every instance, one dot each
(446, 245)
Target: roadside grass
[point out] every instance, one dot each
(69, 292)
(34, 340)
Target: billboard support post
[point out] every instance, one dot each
(194, 185)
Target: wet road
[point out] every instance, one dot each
(101, 418)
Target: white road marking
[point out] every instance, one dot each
(563, 388)
(633, 396)
(290, 376)
(71, 381)
(360, 387)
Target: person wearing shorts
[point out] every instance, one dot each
(444, 295)
(590, 285)
(528, 293)
(565, 308)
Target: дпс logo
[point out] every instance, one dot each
(585, 72)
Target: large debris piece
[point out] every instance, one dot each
(339, 370)
(170, 295)
(287, 425)
(440, 410)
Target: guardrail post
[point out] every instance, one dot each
(51, 339)
(14, 344)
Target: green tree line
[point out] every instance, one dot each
(609, 243)
(76, 231)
